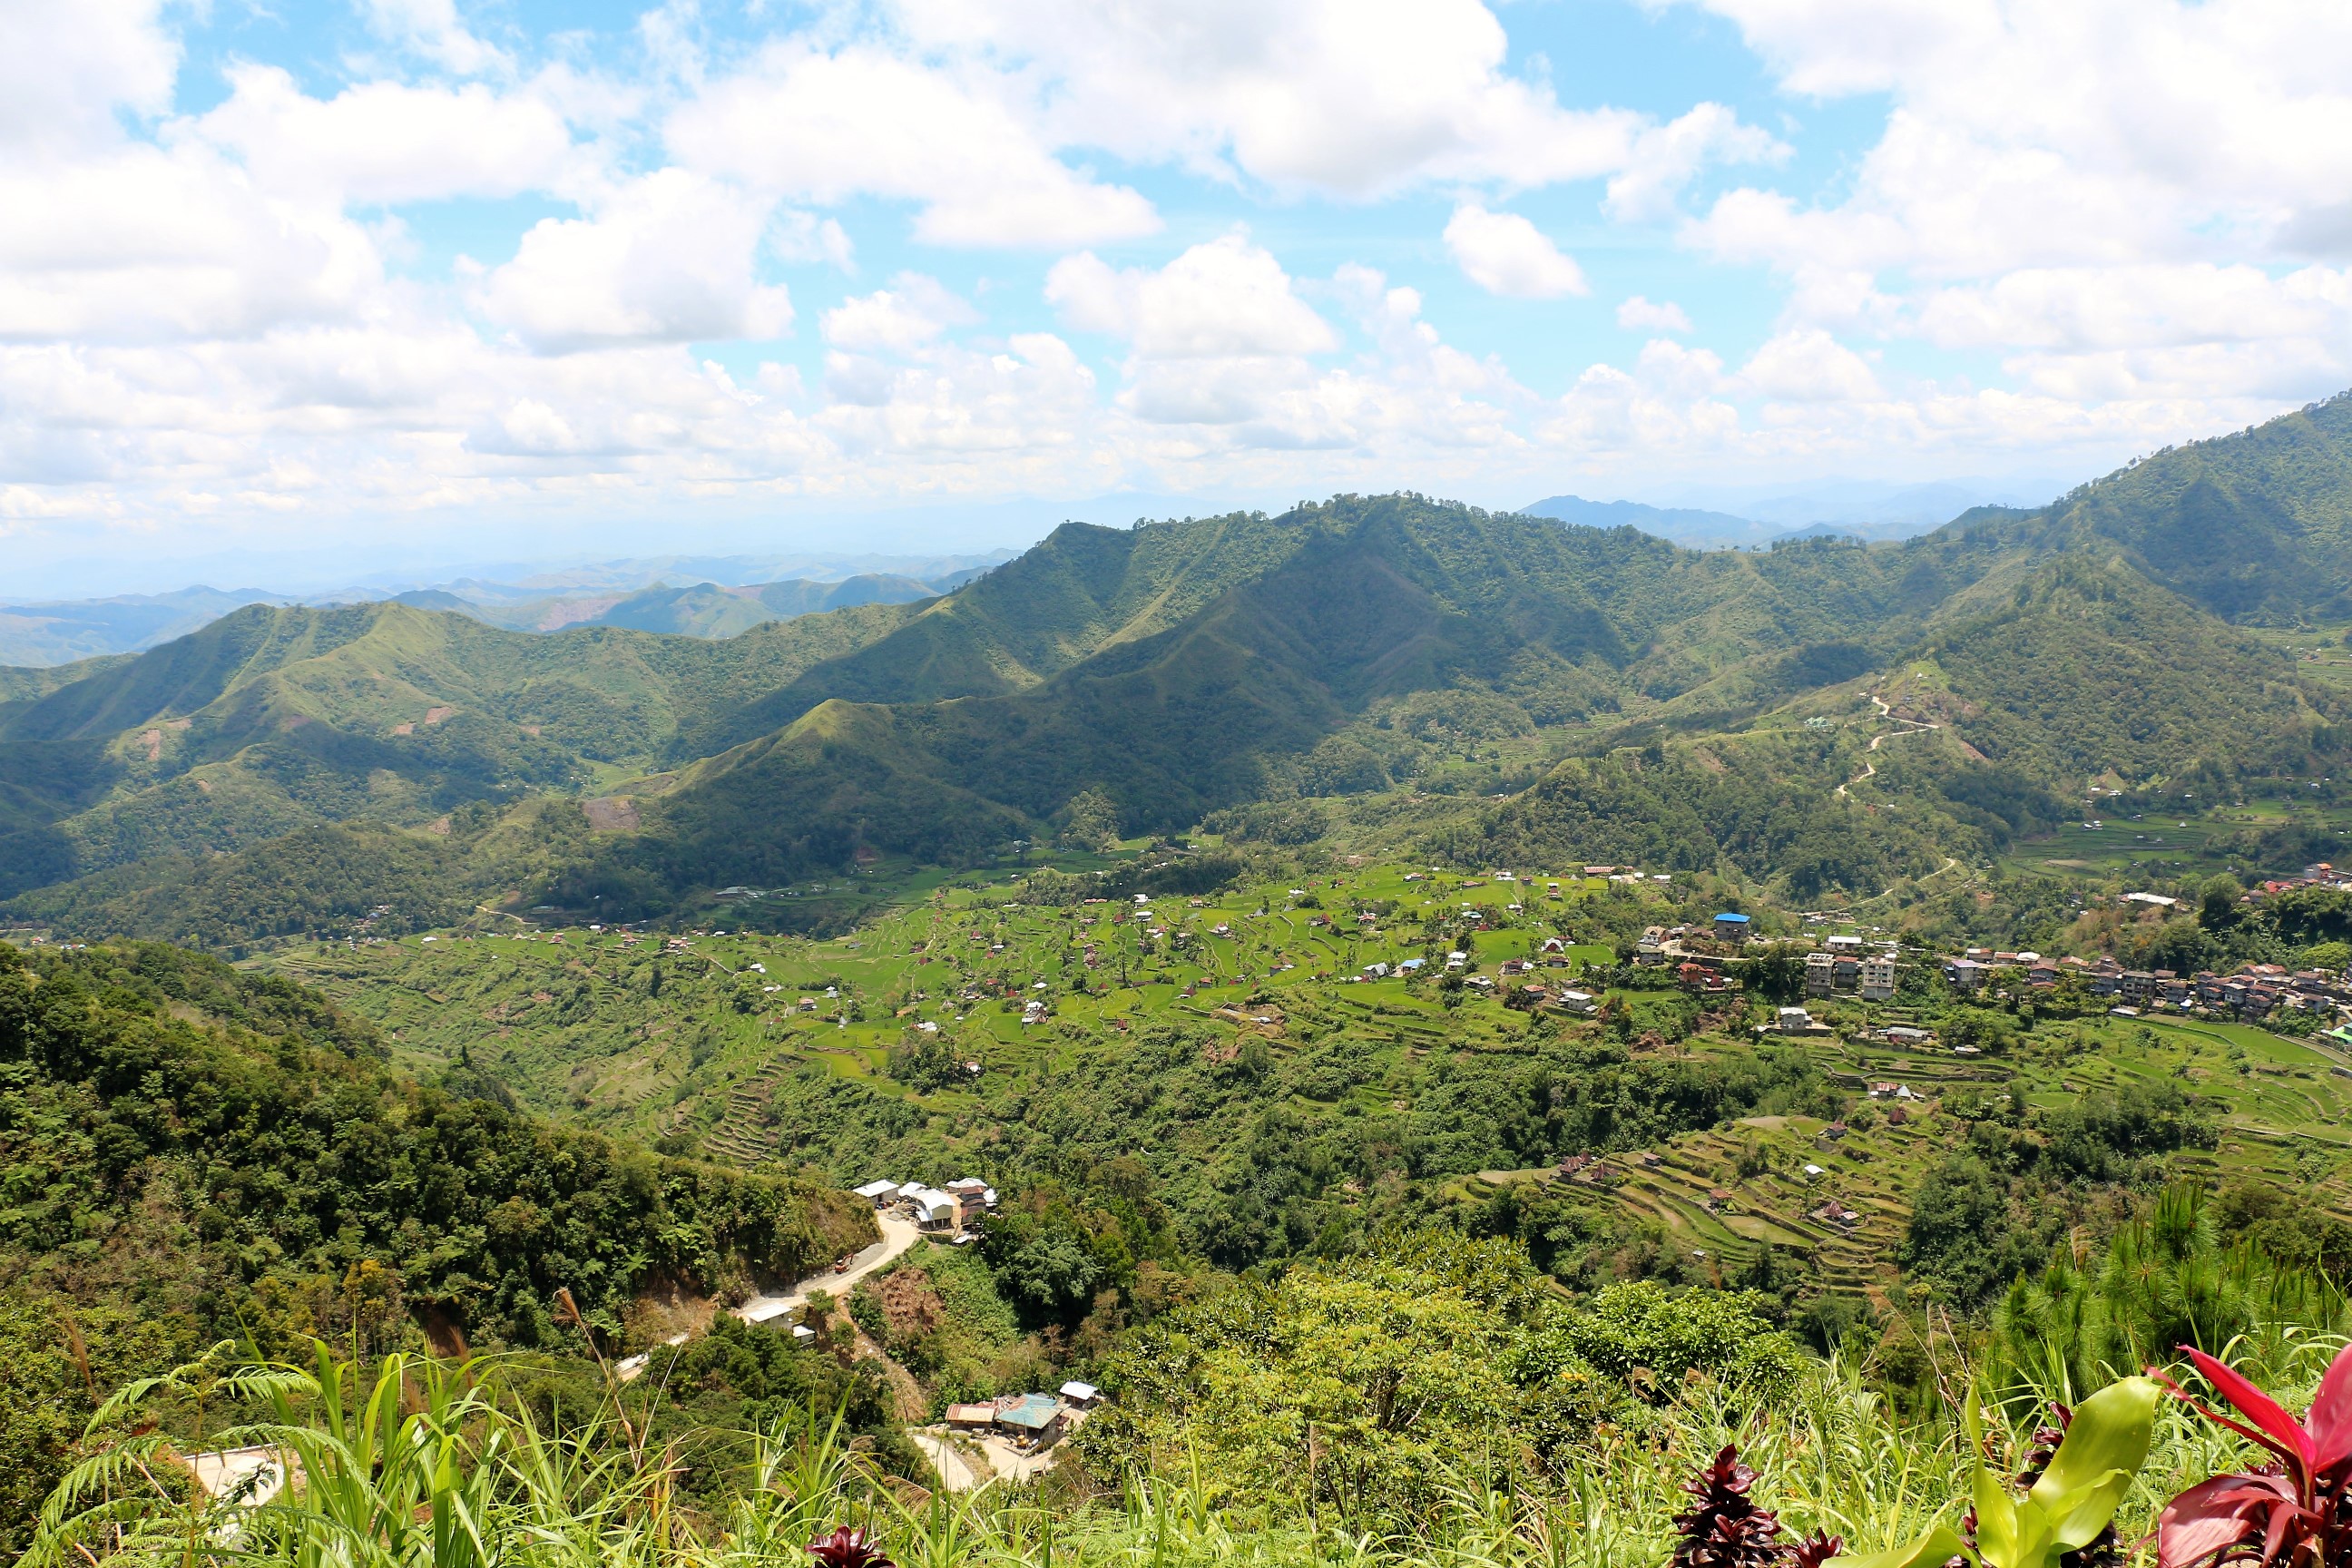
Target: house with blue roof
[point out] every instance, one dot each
(1731, 927)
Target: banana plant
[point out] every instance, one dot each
(2069, 1506)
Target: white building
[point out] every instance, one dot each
(934, 1207)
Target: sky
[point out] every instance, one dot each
(355, 283)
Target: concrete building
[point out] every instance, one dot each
(1821, 973)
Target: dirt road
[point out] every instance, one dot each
(955, 1471)
(898, 1237)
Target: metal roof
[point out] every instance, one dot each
(1034, 1412)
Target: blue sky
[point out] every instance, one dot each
(396, 279)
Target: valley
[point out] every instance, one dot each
(1794, 967)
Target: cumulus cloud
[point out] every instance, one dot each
(1808, 365)
(1505, 254)
(69, 69)
(1224, 299)
(1666, 158)
(1639, 315)
(431, 28)
(386, 141)
(2124, 219)
(1355, 99)
(913, 311)
(668, 257)
(823, 126)
(2109, 132)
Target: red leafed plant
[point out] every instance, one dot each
(2295, 1510)
(849, 1548)
(1722, 1528)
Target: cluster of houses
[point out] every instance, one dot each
(954, 1209)
(2318, 874)
(1846, 967)
(2254, 991)
(1853, 966)
(1030, 1422)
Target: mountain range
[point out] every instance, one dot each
(1850, 508)
(693, 595)
(1705, 709)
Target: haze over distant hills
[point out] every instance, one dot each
(1749, 517)
(697, 596)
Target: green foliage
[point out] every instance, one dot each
(1768, 810)
(1386, 1369)
(2069, 1506)
(258, 1157)
(1145, 680)
(2169, 1280)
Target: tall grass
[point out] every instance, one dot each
(420, 1465)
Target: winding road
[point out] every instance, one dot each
(1870, 769)
(898, 1237)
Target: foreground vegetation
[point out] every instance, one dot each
(408, 1460)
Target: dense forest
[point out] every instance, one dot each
(193, 1154)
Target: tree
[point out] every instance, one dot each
(2217, 902)
(1093, 820)
(1959, 1235)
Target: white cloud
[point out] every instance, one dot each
(899, 319)
(68, 69)
(804, 237)
(668, 257)
(2133, 209)
(1666, 158)
(1226, 297)
(431, 28)
(1639, 315)
(1808, 365)
(138, 244)
(818, 126)
(2104, 131)
(1505, 254)
(386, 141)
(1355, 99)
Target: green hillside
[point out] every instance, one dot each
(270, 721)
(1384, 636)
(1823, 715)
(195, 1154)
(2254, 526)
(2085, 667)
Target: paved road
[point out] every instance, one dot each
(898, 1237)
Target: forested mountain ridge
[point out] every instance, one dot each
(250, 1126)
(271, 720)
(2254, 526)
(196, 1154)
(1175, 669)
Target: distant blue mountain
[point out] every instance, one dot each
(1697, 530)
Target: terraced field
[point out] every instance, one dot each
(2288, 1119)
(700, 1038)
(690, 1036)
